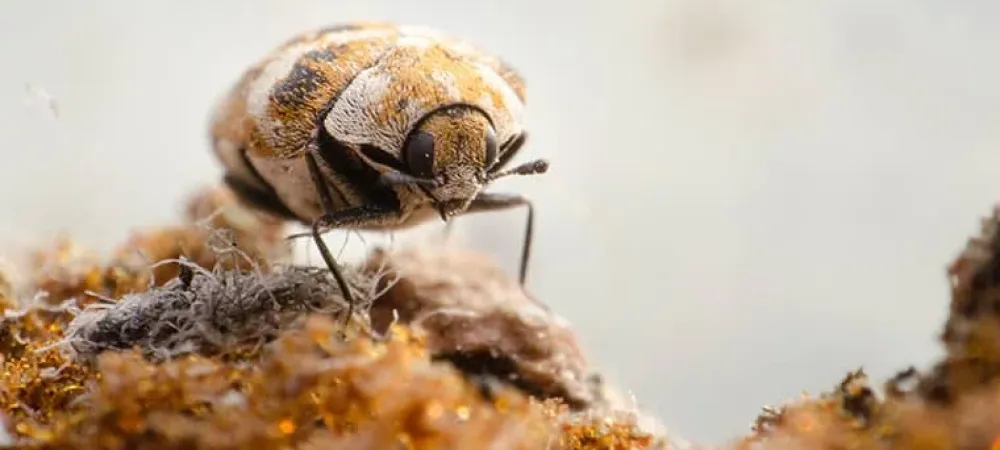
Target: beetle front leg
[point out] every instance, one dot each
(345, 218)
(486, 201)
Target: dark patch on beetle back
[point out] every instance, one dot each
(303, 83)
(298, 100)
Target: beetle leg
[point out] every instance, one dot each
(337, 219)
(486, 201)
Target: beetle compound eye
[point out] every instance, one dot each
(419, 155)
(491, 147)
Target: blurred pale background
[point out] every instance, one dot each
(747, 199)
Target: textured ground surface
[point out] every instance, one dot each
(954, 405)
(200, 336)
(221, 345)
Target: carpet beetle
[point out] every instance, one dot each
(373, 126)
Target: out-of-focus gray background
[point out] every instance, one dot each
(747, 199)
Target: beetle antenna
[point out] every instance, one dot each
(535, 167)
(397, 178)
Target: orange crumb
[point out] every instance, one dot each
(286, 426)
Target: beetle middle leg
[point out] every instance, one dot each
(486, 201)
(339, 219)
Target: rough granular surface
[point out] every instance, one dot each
(236, 349)
(214, 341)
(954, 405)
(479, 318)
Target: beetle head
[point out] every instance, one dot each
(454, 147)
(451, 155)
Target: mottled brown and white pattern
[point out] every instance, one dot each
(366, 87)
(373, 126)
(416, 76)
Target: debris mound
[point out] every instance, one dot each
(214, 341)
(480, 319)
(954, 405)
(200, 335)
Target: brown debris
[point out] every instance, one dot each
(308, 387)
(66, 270)
(972, 332)
(6, 293)
(222, 355)
(480, 319)
(952, 406)
(233, 348)
(849, 415)
(36, 379)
